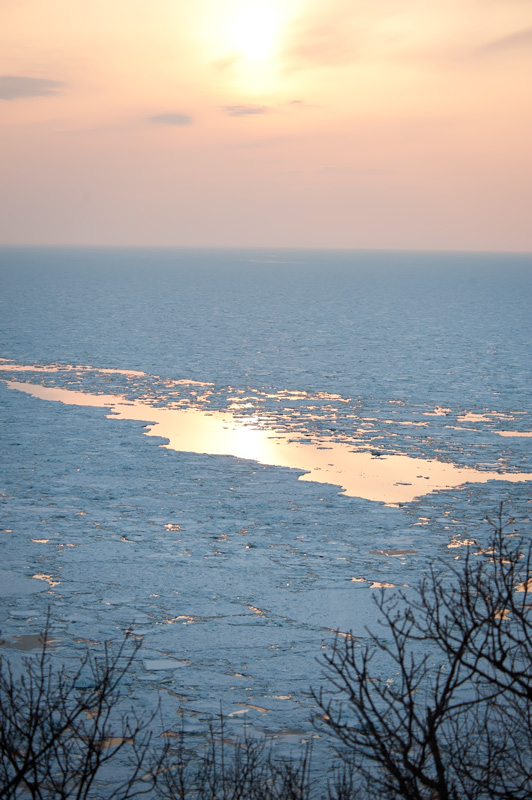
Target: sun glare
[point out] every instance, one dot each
(253, 29)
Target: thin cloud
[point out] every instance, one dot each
(15, 86)
(522, 40)
(333, 34)
(317, 45)
(171, 119)
(225, 64)
(245, 110)
(297, 104)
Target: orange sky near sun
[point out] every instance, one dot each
(339, 123)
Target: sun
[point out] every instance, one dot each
(244, 41)
(253, 29)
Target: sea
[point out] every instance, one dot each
(231, 453)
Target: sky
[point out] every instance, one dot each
(373, 124)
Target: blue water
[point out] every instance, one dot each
(87, 501)
(447, 328)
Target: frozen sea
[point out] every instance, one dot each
(399, 383)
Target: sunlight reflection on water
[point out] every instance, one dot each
(363, 473)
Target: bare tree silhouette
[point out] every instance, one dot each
(62, 734)
(241, 769)
(439, 705)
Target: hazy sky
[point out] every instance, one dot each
(319, 123)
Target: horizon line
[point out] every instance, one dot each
(321, 248)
